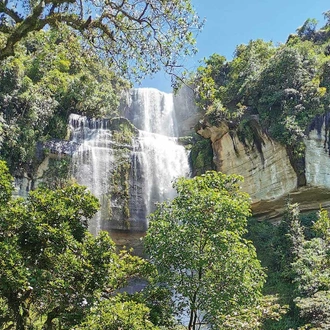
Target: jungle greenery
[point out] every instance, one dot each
(295, 254)
(55, 275)
(283, 87)
(50, 77)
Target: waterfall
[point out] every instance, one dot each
(152, 160)
(92, 159)
(157, 152)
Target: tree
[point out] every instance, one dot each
(135, 36)
(196, 244)
(6, 187)
(312, 274)
(52, 271)
(307, 30)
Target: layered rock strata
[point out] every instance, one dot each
(268, 174)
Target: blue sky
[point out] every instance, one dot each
(233, 22)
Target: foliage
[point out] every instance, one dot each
(300, 256)
(196, 244)
(322, 225)
(6, 186)
(282, 87)
(51, 76)
(136, 37)
(225, 83)
(122, 130)
(307, 30)
(312, 275)
(276, 251)
(201, 156)
(51, 270)
(57, 173)
(114, 314)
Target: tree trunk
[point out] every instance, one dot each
(48, 325)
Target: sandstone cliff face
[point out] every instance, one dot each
(269, 177)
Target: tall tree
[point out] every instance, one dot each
(311, 267)
(135, 36)
(196, 243)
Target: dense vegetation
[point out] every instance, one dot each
(296, 256)
(283, 88)
(50, 77)
(55, 275)
(196, 243)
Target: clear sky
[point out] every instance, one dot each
(233, 22)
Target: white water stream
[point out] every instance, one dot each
(156, 158)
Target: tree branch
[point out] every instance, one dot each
(10, 12)
(22, 29)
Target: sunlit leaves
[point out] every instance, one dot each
(284, 87)
(311, 271)
(196, 244)
(6, 186)
(114, 314)
(51, 269)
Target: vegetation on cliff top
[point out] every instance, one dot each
(283, 87)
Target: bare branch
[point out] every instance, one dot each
(144, 11)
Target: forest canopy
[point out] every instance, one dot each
(50, 77)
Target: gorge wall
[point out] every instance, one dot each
(269, 177)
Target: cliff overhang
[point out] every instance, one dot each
(270, 177)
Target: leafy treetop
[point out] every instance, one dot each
(196, 244)
(53, 273)
(136, 37)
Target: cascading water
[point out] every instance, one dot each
(93, 159)
(157, 152)
(152, 160)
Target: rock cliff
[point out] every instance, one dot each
(269, 176)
